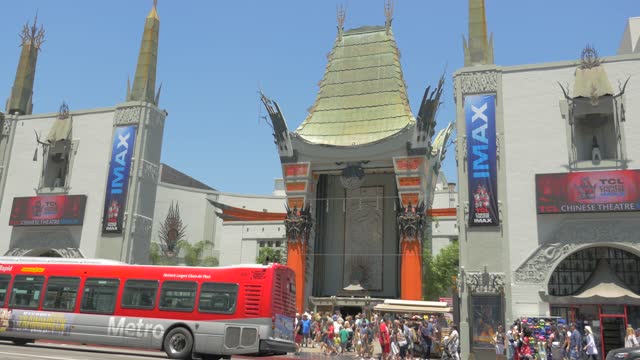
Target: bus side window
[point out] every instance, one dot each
(218, 298)
(139, 294)
(4, 286)
(26, 292)
(99, 295)
(62, 293)
(178, 295)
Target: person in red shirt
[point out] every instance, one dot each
(384, 338)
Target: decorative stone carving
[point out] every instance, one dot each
(480, 82)
(411, 222)
(148, 171)
(464, 150)
(352, 177)
(536, 268)
(141, 225)
(156, 117)
(298, 224)
(6, 127)
(127, 115)
(485, 282)
(569, 238)
(466, 213)
(63, 252)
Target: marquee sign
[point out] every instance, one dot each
(118, 179)
(592, 191)
(48, 210)
(480, 117)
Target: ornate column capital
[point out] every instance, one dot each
(298, 224)
(411, 222)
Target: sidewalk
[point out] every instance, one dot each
(315, 352)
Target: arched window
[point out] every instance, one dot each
(574, 271)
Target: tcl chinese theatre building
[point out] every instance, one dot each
(359, 174)
(549, 190)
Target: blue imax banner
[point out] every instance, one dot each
(480, 118)
(118, 179)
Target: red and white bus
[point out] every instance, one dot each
(209, 313)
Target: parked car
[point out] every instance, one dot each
(624, 353)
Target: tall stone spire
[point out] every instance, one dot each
(144, 83)
(20, 101)
(478, 50)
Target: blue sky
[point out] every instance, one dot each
(214, 55)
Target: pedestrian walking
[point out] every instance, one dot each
(590, 348)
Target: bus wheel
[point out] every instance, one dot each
(20, 342)
(178, 343)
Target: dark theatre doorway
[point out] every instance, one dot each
(350, 310)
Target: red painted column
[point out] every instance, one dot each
(411, 223)
(296, 259)
(411, 269)
(298, 227)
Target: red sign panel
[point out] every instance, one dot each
(594, 191)
(296, 170)
(48, 210)
(409, 181)
(408, 164)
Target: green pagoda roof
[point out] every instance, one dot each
(362, 97)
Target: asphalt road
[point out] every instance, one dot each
(47, 351)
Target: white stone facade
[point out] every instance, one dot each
(516, 258)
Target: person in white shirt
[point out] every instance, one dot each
(591, 349)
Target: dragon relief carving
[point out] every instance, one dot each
(298, 224)
(569, 238)
(411, 222)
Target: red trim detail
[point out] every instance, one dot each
(230, 213)
(442, 212)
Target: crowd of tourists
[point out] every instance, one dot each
(398, 338)
(561, 342)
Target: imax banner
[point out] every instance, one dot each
(118, 179)
(480, 118)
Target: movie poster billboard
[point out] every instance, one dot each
(118, 179)
(589, 191)
(480, 118)
(48, 210)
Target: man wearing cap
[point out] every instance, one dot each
(426, 334)
(306, 327)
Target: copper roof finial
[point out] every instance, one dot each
(341, 14)
(388, 13)
(31, 34)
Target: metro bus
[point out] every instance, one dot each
(210, 313)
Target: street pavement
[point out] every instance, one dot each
(61, 351)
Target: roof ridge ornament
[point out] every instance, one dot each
(63, 113)
(389, 5)
(589, 58)
(341, 14)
